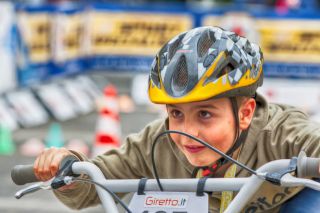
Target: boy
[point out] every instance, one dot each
(207, 77)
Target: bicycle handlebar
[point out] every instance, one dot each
(305, 167)
(22, 174)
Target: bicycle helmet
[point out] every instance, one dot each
(203, 63)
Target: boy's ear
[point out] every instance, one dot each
(246, 112)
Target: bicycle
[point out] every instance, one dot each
(277, 172)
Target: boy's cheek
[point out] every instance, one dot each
(175, 140)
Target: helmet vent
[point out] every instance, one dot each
(226, 69)
(174, 47)
(180, 76)
(206, 40)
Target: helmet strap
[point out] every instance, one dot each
(239, 137)
(207, 171)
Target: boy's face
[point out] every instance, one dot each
(211, 120)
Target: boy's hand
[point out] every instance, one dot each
(47, 163)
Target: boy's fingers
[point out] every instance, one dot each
(55, 163)
(47, 163)
(42, 168)
(39, 166)
(36, 167)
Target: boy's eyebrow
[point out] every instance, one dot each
(197, 106)
(172, 105)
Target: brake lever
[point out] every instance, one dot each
(33, 188)
(290, 181)
(60, 180)
(65, 171)
(275, 177)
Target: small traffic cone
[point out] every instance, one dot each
(109, 100)
(7, 146)
(55, 136)
(78, 146)
(108, 129)
(32, 147)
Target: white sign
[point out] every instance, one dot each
(139, 91)
(28, 110)
(169, 202)
(7, 116)
(304, 94)
(57, 101)
(82, 101)
(90, 87)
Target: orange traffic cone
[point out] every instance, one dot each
(109, 101)
(108, 130)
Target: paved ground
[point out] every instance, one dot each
(82, 127)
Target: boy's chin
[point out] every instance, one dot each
(197, 163)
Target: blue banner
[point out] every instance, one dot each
(62, 40)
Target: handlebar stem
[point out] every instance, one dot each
(96, 175)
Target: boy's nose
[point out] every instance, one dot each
(190, 129)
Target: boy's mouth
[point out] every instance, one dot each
(194, 148)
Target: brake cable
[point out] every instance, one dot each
(201, 142)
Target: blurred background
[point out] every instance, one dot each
(74, 73)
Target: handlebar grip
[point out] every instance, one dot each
(308, 167)
(22, 174)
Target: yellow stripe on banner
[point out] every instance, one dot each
(227, 196)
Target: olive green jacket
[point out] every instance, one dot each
(276, 132)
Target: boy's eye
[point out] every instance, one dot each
(176, 113)
(204, 114)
